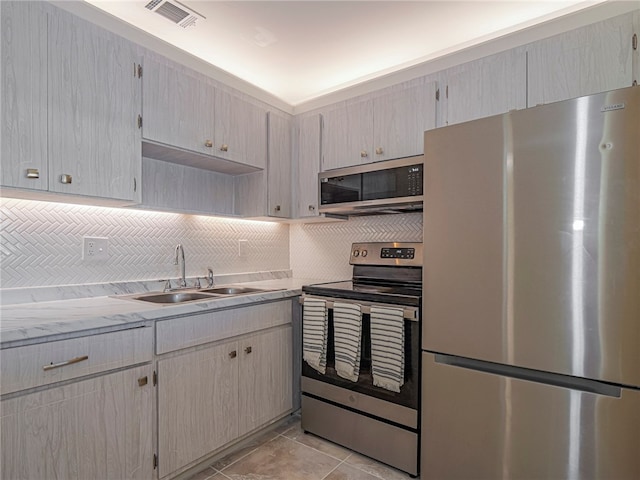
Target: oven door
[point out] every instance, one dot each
(363, 395)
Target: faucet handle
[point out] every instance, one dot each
(196, 283)
(209, 277)
(167, 285)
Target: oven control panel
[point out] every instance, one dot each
(387, 253)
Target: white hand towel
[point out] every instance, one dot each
(314, 334)
(387, 347)
(347, 330)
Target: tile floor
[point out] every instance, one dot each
(287, 453)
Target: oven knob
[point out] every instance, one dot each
(364, 253)
(356, 253)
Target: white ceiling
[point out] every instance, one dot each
(301, 50)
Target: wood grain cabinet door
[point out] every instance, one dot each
(240, 130)
(308, 166)
(400, 119)
(197, 405)
(177, 108)
(587, 60)
(265, 377)
(94, 104)
(279, 168)
(347, 135)
(23, 80)
(96, 428)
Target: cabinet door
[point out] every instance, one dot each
(347, 135)
(24, 95)
(487, 86)
(265, 378)
(240, 130)
(97, 428)
(197, 405)
(591, 59)
(400, 119)
(308, 166)
(94, 103)
(279, 170)
(177, 108)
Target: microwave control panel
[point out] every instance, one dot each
(414, 180)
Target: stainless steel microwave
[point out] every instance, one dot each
(391, 186)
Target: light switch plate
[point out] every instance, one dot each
(95, 248)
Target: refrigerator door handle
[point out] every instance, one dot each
(548, 378)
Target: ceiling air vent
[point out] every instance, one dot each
(174, 11)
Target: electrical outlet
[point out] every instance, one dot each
(95, 248)
(242, 248)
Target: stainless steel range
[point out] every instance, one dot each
(361, 344)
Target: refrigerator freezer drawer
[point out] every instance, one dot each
(478, 425)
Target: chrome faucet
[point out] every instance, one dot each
(209, 277)
(183, 279)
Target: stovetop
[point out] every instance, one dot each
(349, 290)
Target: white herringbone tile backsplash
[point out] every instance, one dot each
(41, 244)
(321, 250)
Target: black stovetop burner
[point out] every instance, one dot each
(383, 272)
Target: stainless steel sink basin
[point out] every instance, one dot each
(232, 290)
(173, 297)
(183, 296)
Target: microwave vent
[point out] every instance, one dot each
(175, 11)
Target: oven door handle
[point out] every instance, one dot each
(410, 313)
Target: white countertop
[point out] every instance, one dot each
(28, 323)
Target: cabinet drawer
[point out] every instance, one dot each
(45, 363)
(184, 332)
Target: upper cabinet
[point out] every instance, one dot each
(279, 169)
(587, 60)
(400, 119)
(24, 95)
(177, 108)
(71, 100)
(267, 193)
(484, 87)
(240, 130)
(385, 126)
(94, 105)
(183, 109)
(308, 165)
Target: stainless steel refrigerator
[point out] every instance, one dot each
(531, 316)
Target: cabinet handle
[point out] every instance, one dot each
(233, 354)
(312, 208)
(64, 178)
(364, 154)
(247, 350)
(208, 143)
(64, 364)
(224, 147)
(277, 209)
(33, 173)
(379, 150)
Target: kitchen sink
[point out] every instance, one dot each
(173, 297)
(183, 296)
(233, 290)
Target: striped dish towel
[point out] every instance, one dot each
(387, 347)
(347, 328)
(314, 334)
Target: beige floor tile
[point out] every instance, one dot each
(377, 469)
(296, 433)
(244, 450)
(207, 474)
(347, 472)
(282, 459)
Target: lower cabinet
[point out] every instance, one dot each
(96, 428)
(209, 397)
